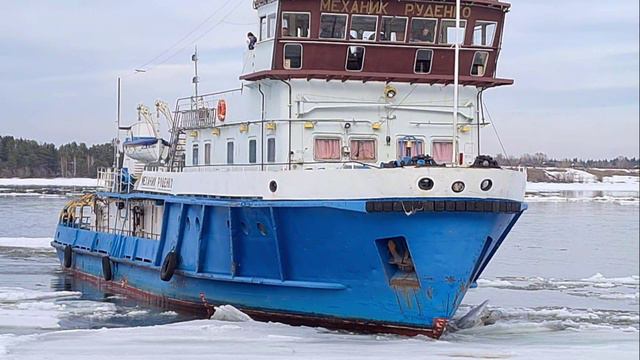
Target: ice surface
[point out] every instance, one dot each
(213, 339)
(29, 243)
(229, 313)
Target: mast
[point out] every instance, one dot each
(456, 81)
(195, 80)
(116, 143)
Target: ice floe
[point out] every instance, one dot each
(66, 182)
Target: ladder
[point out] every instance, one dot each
(178, 144)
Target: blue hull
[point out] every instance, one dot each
(300, 259)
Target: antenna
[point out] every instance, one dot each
(195, 80)
(456, 81)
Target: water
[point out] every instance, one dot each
(564, 285)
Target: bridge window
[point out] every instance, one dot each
(295, 25)
(271, 19)
(333, 26)
(448, 31)
(326, 149)
(292, 56)
(271, 150)
(363, 149)
(363, 27)
(252, 151)
(207, 153)
(393, 29)
(479, 65)
(423, 30)
(423, 61)
(194, 155)
(442, 151)
(230, 151)
(355, 58)
(484, 33)
(410, 146)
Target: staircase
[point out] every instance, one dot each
(178, 144)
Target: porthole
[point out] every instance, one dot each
(486, 185)
(262, 229)
(458, 187)
(425, 184)
(273, 186)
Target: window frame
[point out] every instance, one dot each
(415, 62)
(364, 55)
(486, 62)
(435, 31)
(271, 159)
(494, 34)
(272, 34)
(346, 27)
(327, 137)
(419, 138)
(297, 13)
(284, 56)
(375, 31)
(263, 36)
(360, 138)
(207, 153)
(231, 155)
(464, 32)
(406, 29)
(195, 150)
(255, 150)
(440, 139)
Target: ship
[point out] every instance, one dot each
(341, 184)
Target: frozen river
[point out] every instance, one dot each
(564, 285)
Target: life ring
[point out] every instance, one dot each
(168, 266)
(222, 109)
(107, 274)
(68, 252)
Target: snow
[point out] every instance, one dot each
(28, 243)
(70, 182)
(628, 186)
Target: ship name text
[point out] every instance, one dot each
(160, 183)
(372, 7)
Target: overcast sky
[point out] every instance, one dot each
(575, 63)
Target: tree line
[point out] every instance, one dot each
(29, 158)
(542, 160)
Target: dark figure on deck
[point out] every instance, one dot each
(252, 41)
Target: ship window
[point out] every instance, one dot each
(271, 20)
(410, 147)
(363, 27)
(448, 31)
(442, 151)
(295, 25)
(484, 33)
(271, 150)
(479, 65)
(194, 155)
(292, 56)
(333, 26)
(252, 151)
(393, 28)
(355, 58)
(230, 152)
(207, 154)
(363, 149)
(326, 149)
(423, 61)
(423, 30)
(263, 28)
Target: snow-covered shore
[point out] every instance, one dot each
(56, 182)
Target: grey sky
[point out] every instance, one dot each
(575, 63)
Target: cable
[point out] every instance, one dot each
(186, 36)
(495, 130)
(198, 37)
